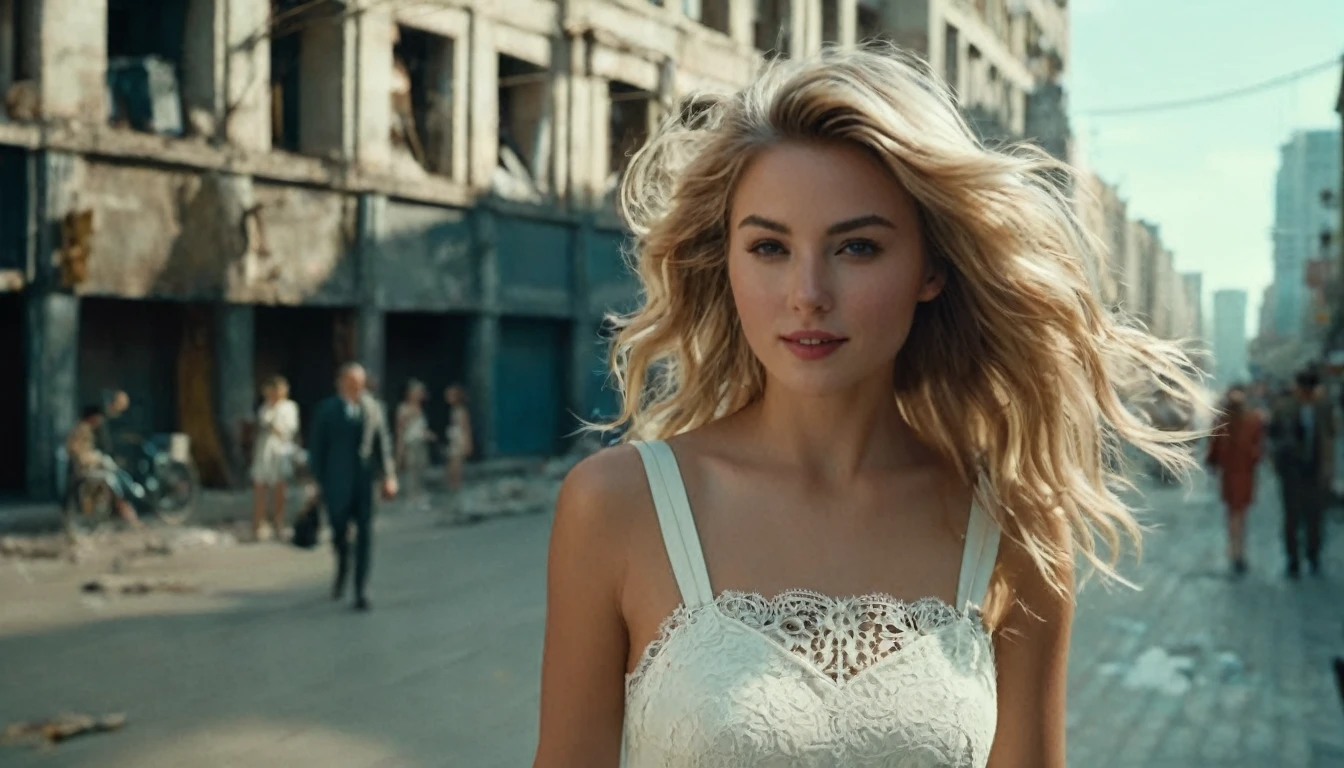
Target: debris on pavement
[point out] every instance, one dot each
(60, 728)
(130, 586)
(34, 548)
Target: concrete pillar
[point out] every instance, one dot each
(244, 105)
(741, 23)
(848, 24)
(370, 70)
(483, 111)
(599, 137)
(483, 342)
(578, 161)
(53, 384)
(235, 382)
(370, 320)
(52, 327)
(72, 56)
(562, 65)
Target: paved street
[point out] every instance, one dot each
(260, 669)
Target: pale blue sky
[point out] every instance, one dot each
(1205, 175)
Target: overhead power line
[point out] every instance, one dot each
(1212, 98)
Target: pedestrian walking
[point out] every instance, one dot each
(871, 394)
(413, 439)
(350, 448)
(273, 456)
(1234, 452)
(1302, 435)
(459, 443)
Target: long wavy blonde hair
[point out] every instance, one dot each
(1016, 373)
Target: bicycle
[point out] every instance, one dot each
(155, 483)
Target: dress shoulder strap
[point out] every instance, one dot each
(978, 557)
(677, 524)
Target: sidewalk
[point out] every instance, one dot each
(1199, 669)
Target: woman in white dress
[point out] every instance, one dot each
(873, 400)
(413, 439)
(273, 455)
(458, 436)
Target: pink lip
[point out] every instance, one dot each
(796, 343)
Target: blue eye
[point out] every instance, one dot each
(767, 248)
(860, 248)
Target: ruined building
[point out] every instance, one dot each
(197, 194)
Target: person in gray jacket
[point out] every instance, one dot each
(350, 451)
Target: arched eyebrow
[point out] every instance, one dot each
(839, 228)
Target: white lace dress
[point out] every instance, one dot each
(803, 680)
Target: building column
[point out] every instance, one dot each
(53, 384)
(483, 111)
(72, 52)
(235, 382)
(52, 326)
(741, 23)
(848, 25)
(483, 341)
(370, 320)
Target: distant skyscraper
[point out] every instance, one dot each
(1229, 336)
(1309, 165)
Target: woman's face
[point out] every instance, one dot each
(827, 266)
(281, 391)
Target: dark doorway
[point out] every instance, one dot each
(431, 347)
(304, 345)
(530, 367)
(13, 394)
(132, 346)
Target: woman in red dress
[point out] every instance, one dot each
(1234, 451)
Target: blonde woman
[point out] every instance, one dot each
(273, 455)
(459, 438)
(872, 400)
(413, 439)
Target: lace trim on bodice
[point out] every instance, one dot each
(838, 637)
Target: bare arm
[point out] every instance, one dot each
(583, 662)
(1032, 655)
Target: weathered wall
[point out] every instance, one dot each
(535, 265)
(424, 259)
(178, 234)
(611, 284)
(73, 56)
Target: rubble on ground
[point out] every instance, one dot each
(114, 584)
(60, 728)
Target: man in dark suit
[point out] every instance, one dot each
(1302, 437)
(349, 448)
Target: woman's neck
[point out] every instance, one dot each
(836, 436)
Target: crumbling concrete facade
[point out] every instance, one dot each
(357, 173)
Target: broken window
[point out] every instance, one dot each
(830, 21)
(285, 66)
(868, 23)
(951, 57)
(144, 63)
(524, 127)
(18, 64)
(772, 27)
(631, 117)
(714, 14)
(422, 99)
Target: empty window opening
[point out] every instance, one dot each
(830, 21)
(952, 57)
(18, 59)
(422, 99)
(714, 14)
(286, 47)
(144, 63)
(631, 116)
(868, 23)
(772, 27)
(524, 127)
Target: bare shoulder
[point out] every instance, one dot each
(599, 502)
